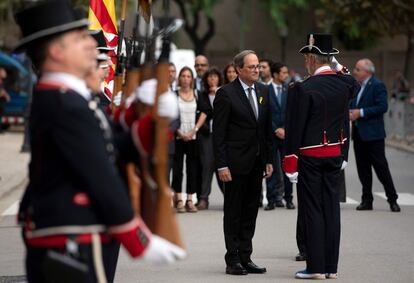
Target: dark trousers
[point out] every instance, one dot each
(300, 221)
(207, 165)
(241, 198)
(319, 180)
(278, 185)
(370, 154)
(190, 150)
(38, 273)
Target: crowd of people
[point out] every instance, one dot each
(242, 124)
(220, 140)
(194, 131)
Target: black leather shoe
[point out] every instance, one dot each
(290, 205)
(251, 267)
(235, 269)
(395, 207)
(301, 256)
(279, 203)
(270, 206)
(364, 206)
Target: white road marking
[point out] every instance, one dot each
(12, 210)
(403, 198)
(351, 201)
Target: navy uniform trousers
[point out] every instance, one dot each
(319, 186)
(38, 272)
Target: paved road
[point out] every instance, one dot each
(376, 246)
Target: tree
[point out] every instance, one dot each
(193, 11)
(359, 23)
(278, 11)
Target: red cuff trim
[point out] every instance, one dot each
(142, 135)
(133, 235)
(290, 163)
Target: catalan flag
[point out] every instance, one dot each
(102, 17)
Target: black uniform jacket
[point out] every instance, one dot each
(237, 136)
(74, 184)
(317, 112)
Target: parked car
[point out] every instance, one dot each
(18, 84)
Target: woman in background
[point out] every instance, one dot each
(192, 117)
(229, 73)
(212, 80)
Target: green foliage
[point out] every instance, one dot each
(205, 6)
(360, 23)
(278, 9)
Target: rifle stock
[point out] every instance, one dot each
(166, 224)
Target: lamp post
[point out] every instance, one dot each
(283, 33)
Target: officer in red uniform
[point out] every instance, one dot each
(316, 150)
(75, 210)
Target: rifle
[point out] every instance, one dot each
(133, 79)
(120, 64)
(165, 221)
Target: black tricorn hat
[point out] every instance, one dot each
(45, 19)
(100, 39)
(319, 43)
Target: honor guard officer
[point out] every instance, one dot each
(75, 209)
(316, 149)
(105, 63)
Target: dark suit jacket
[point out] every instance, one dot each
(374, 102)
(72, 153)
(237, 136)
(277, 110)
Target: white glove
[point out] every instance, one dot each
(160, 251)
(168, 105)
(146, 91)
(335, 64)
(344, 164)
(117, 98)
(293, 177)
(338, 67)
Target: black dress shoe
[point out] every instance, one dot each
(290, 205)
(279, 203)
(235, 269)
(301, 256)
(364, 206)
(270, 206)
(395, 207)
(251, 267)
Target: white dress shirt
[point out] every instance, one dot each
(246, 91)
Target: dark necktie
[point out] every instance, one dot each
(251, 100)
(279, 95)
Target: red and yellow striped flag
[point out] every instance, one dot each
(102, 17)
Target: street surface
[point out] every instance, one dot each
(376, 246)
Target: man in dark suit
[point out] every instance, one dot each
(243, 155)
(316, 150)
(368, 132)
(76, 206)
(278, 182)
(201, 66)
